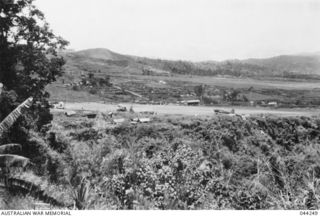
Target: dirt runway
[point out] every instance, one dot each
(188, 110)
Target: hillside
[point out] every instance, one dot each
(302, 64)
(106, 61)
(103, 75)
(98, 61)
(100, 53)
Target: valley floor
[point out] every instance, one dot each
(172, 89)
(188, 110)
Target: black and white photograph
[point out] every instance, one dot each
(156, 105)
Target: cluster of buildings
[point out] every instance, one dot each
(155, 72)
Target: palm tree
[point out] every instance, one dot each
(8, 160)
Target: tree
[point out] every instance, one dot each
(91, 76)
(234, 95)
(199, 90)
(28, 56)
(8, 160)
(29, 60)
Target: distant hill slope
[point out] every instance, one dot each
(303, 64)
(103, 61)
(101, 53)
(98, 61)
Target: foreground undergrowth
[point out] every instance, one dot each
(189, 163)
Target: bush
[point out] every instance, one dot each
(93, 90)
(76, 88)
(196, 163)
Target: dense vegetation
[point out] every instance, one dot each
(28, 62)
(29, 58)
(188, 163)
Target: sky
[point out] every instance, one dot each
(194, 30)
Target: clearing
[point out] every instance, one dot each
(188, 110)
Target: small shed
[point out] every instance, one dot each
(193, 102)
(144, 120)
(273, 104)
(70, 113)
(90, 115)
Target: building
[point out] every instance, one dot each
(155, 72)
(273, 104)
(191, 102)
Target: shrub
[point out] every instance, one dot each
(195, 163)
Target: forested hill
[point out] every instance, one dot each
(300, 64)
(285, 66)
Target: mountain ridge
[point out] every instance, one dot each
(282, 65)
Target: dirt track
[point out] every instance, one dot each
(189, 110)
